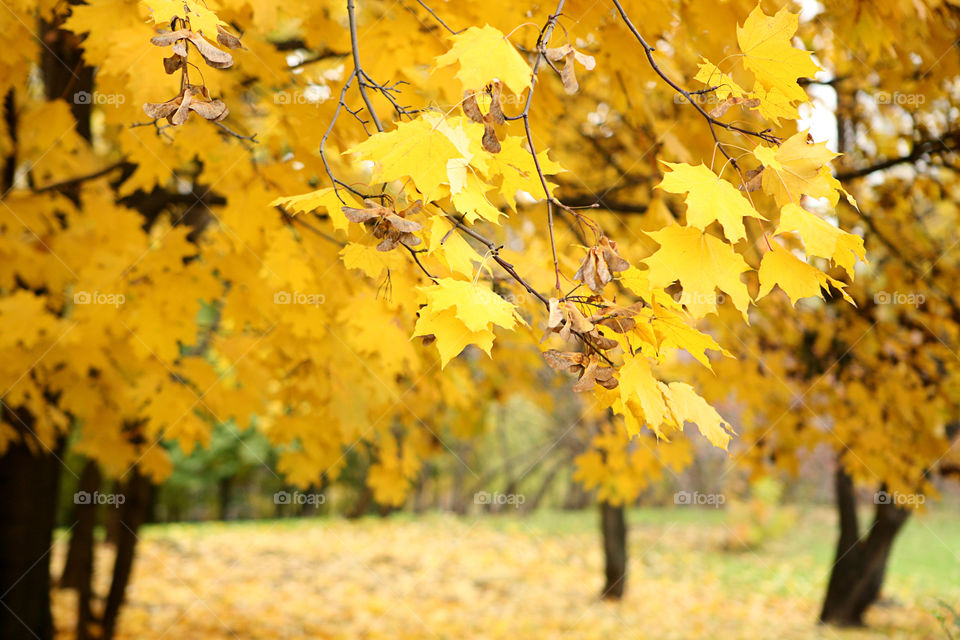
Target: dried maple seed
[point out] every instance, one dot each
(227, 39)
(470, 107)
(214, 57)
(495, 89)
(587, 368)
(173, 63)
(719, 110)
(600, 262)
(489, 141)
(390, 226)
(567, 74)
(753, 180)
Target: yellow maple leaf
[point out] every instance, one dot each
(709, 198)
(448, 243)
(485, 54)
(673, 332)
(822, 239)
(702, 264)
(419, 149)
(769, 55)
(477, 307)
(687, 406)
(515, 164)
(711, 76)
(798, 168)
(451, 333)
(368, 260)
(325, 199)
(472, 201)
(797, 278)
(641, 398)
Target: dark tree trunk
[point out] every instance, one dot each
(614, 527)
(136, 491)
(78, 570)
(860, 563)
(224, 494)
(28, 500)
(113, 525)
(362, 506)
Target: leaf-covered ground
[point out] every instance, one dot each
(439, 576)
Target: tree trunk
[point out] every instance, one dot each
(113, 518)
(860, 563)
(224, 495)
(136, 491)
(614, 527)
(78, 570)
(28, 500)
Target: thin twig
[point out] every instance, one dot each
(711, 121)
(438, 19)
(358, 70)
(542, 41)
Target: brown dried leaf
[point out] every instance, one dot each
(227, 39)
(556, 315)
(402, 224)
(577, 320)
(555, 54)
(489, 141)
(172, 63)
(412, 209)
(563, 360)
(213, 110)
(609, 383)
(719, 110)
(614, 261)
(409, 239)
(587, 273)
(389, 243)
(620, 325)
(157, 110)
(470, 107)
(587, 61)
(167, 38)
(496, 113)
(183, 111)
(588, 377)
(754, 180)
(602, 342)
(359, 215)
(568, 75)
(214, 57)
